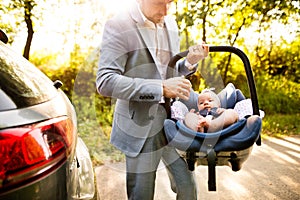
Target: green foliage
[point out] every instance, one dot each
(94, 113)
(94, 132)
(278, 95)
(234, 22)
(281, 125)
(212, 72)
(67, 72)
(282, 59)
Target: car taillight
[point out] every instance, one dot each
(27, 151)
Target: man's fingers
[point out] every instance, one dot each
(184, 88)
(197, 53)
(177, 87)
(182, 94)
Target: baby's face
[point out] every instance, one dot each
(207, 101)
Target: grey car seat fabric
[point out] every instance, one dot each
(229, 96)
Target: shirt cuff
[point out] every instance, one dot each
(189, 65)
(162, 99)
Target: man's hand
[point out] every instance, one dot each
(177, 87)
(197, 53)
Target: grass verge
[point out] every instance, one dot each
(280, 125)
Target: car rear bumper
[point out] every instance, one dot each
(53, 186)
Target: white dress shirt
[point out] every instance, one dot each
(159, 37)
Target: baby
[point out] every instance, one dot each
(210, 118)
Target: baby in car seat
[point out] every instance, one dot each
(210, 118)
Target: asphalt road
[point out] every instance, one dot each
(271, 172)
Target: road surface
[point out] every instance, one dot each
(271, 172)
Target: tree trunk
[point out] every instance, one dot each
(27, 16)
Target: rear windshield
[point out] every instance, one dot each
(21, 83)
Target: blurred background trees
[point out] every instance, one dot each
(267, 31)
(62, 38)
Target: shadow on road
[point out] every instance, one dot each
(271, 172)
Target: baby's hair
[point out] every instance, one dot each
(212, 94)
(208, 90)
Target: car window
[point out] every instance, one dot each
(21, 83)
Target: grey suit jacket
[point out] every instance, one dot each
(127, 72)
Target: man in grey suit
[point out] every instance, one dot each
(136, 48)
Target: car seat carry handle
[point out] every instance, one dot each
(248, 70)
(247, 67)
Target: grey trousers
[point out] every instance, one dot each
(141, 171)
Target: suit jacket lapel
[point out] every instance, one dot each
(172, 30)
(145, 34)
(138, 19)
